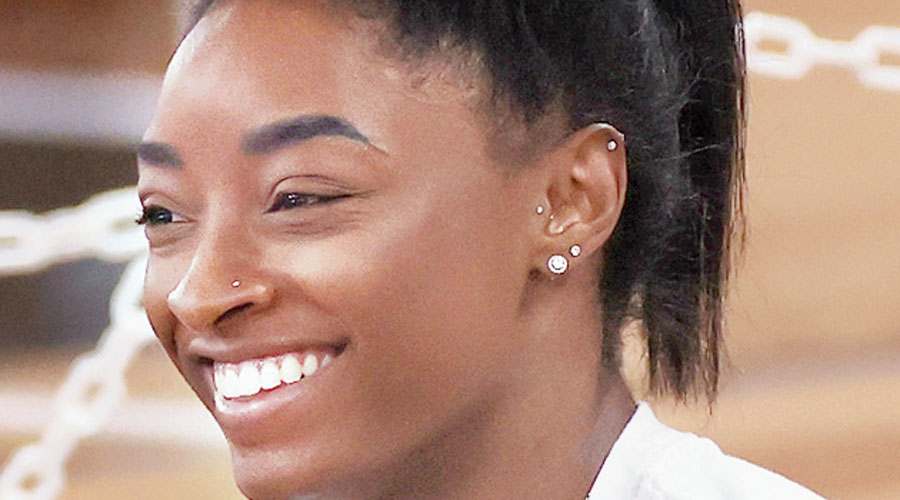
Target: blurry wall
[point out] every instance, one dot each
(60, 142)
(814, 333)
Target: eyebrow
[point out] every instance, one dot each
(275, 136)
(158, 153)
(264, 140)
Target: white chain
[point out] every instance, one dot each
(863, 55)
(103, 227)
(92, 390)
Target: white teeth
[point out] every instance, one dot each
(248, 379)
(219, 376)
(310, 365)
(229, 387)
(270, 375)
(235, 380)
(291, 371)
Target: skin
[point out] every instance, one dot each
(469, 372)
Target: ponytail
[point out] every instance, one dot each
(677, 285)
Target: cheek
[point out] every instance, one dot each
(422, 295)
(161, 278)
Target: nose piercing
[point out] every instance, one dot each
(539, 210)
(236, 283)
(558, 264)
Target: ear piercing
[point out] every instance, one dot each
(559, 264)
(612, 145)
(236, 283)
(539, 210)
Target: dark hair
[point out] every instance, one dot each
(670, 75)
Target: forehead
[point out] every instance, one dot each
(254, 62)
(259, 57)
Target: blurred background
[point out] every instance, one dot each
(812, 386)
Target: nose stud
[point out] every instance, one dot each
(539, 210)
(236, 283)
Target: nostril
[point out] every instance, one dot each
(234, 311)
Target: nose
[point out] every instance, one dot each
(221, 282)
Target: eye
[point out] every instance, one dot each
(156, 215)
(287, 201)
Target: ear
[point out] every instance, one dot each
(584, 192)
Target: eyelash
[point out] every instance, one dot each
(156, 215)
(287, 201)
(151, 216)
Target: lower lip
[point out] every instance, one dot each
(260, 413)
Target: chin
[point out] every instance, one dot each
(270, 475)
(305, 470)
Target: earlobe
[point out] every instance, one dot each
(585, 193)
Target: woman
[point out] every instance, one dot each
(393, 244)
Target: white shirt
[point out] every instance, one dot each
(650, 461)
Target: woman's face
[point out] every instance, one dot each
(308, 198)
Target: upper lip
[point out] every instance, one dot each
(201, 349)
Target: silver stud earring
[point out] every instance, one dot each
(236, 283)
(612, 145)
(558, 264)
(539, 210)
(575, 251)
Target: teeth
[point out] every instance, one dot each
(291, 371)
(230, 383)
(219, 376)
(270, 375)
(248, 379)
(235, 380)
(310, 365)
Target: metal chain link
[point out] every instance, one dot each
(91, 391)
(864, 55)
(102, 227)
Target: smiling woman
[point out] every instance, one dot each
(394, 244)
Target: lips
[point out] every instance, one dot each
(255, 390)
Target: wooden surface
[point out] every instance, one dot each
(814, 337)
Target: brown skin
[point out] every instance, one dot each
(469, 371)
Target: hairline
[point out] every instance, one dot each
(512, 141)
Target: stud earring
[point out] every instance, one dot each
(236, 283)
(612, 145)
(539, 210)
(558, 264)
(575, 251)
